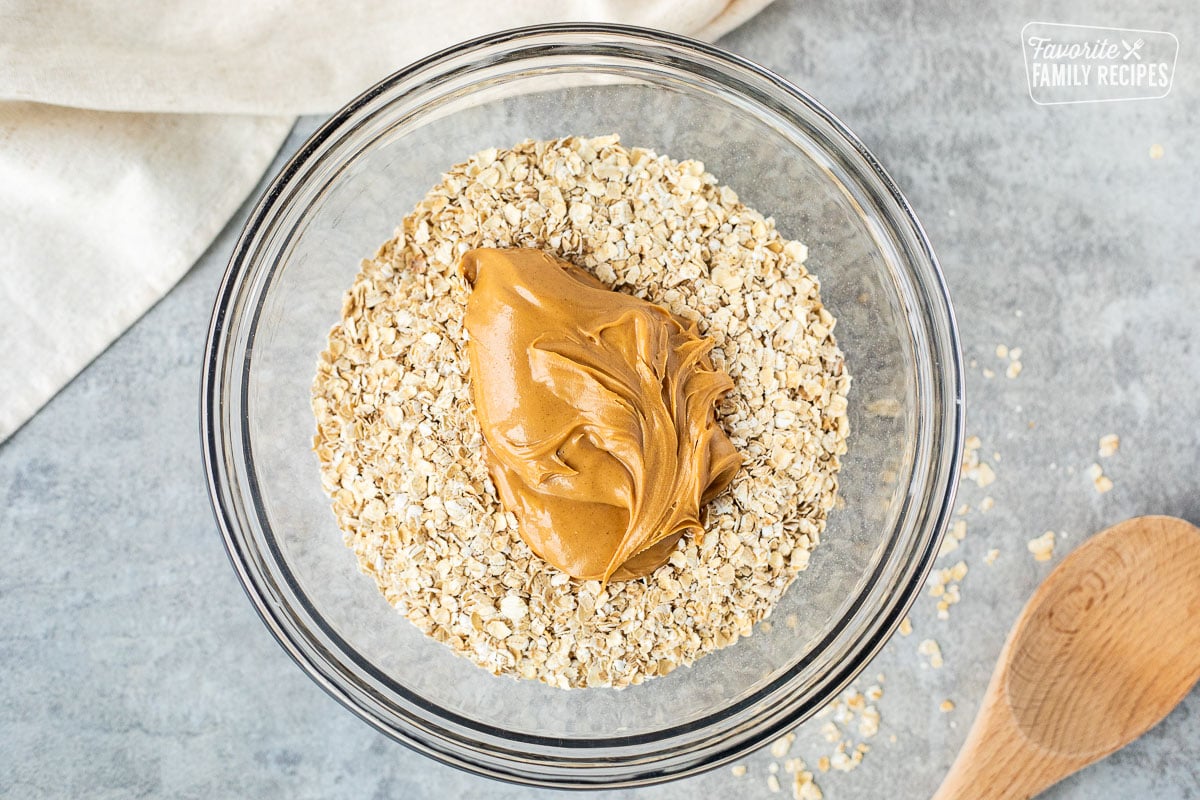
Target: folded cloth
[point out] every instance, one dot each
(131, 132)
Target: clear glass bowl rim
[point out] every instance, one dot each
(620, 761)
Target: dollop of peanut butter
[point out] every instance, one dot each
(597, 413)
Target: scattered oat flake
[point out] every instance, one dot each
(905, 626)
(1015, 354)
(780, 746)
(738, 770)
(844, 760)
(1109, 445)
(868, 722)
(804, 787)
(930, 648)
(773, 783)
(991, 556)
(1042, 547)
(1013, 370)
(823, 763)
(946, 706)
(973, 468)
(944, 585)
(949, 545)
(987, 503)
(1156, 151)
(984, 475)
(1100, 481)
(1001, 351)
(988, 373)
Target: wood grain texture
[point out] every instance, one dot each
(1105, 648)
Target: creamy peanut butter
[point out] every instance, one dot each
(597, 413)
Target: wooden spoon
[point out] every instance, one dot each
(1105, 648)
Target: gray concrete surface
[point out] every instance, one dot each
(134, 666)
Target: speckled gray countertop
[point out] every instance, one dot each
(134, 666)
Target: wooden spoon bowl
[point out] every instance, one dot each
(1105, 648)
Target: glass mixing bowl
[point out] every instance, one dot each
(342, 195)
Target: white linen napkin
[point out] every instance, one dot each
(131, 132)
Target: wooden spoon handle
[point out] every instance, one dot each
(997, 762)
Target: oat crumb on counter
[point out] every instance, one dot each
(972, 467)
(946, 706)
(930, 649)
(949, 545)
(944, 585)
(804, 787)
(1100, 481)
(984, 475)
(957, 532)
(738, 770)
(1109, 445)
(780, 746)
(1042, 547)
(991, 556)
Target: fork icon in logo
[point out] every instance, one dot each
(1132, 49)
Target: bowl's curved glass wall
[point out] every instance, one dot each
(342, 197)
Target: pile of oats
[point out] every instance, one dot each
(401, 451)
